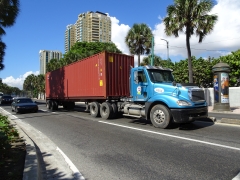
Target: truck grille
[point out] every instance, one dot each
(198, 95)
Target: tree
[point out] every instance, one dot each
(202, 70)
(40, 86)
(189, 16)
(2, 53)
(52, 65)
(158, 61)
(233, 60)
(81, 50)
(29, 83)
(139, 40)
(9, 10)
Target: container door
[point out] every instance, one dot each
(140, 86)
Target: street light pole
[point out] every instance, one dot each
(152, 50)
(167, 48)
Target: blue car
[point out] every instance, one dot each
(23, 105)
(6, 99)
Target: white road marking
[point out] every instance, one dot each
(173, 136)
(76, 173)
(237, 177)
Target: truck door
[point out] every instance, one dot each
(140, 86)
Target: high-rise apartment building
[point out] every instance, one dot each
(89, 27)
(70, 37)
(45, 56)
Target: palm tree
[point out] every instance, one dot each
(2, 53)
(9, 10)
(192, 17)
(52, 65)
(41, 83)
(139, 40)
(29, 83)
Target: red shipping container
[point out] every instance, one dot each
(101, 76)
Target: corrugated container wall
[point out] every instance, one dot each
(100, 76)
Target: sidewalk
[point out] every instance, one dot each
(234, 110)
(228, 117)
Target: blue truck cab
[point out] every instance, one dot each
(156, 96)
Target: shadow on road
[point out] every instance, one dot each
(186, 126)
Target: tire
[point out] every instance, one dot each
(54, 105)
(95, 109)
(106, 110)
(49, 104)
(160, 116)
(16, 110)
(115, 111)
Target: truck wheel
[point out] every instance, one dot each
(160, 116)
(115, 110)
(95, 109)
(106, 110)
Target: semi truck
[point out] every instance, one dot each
(110, 85)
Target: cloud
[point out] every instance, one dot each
(18, 82)
(222, 40)
(119, 32)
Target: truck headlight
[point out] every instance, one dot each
(183, 103)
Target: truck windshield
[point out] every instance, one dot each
(160, 76)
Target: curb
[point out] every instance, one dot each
(225, 120)
(31, 166)
(230, 121)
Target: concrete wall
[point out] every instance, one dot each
(234, 96)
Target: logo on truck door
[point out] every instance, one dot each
(139, 90)
(159, 90)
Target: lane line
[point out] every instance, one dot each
(75, 171)
(237, 177)
(173, 136)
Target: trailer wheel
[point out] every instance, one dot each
(49, 104)
(106, 110)
(160, 116)
(95, 109)
(115, 110)
(54, 105)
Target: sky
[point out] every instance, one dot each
(41, 25)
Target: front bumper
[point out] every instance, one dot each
(27, 109)
(189, 115)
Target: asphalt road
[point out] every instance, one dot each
(128, 148)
